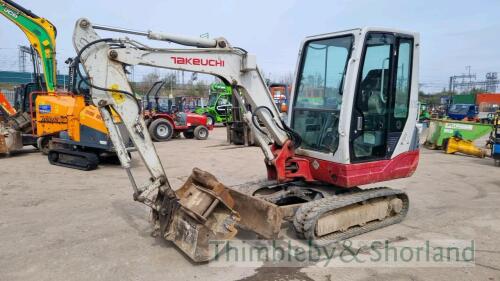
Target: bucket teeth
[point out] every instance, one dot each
(202, 214)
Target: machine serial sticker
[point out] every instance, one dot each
(458, 126)
(44, 108)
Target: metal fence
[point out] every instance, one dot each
(15, 78)
(9, 94)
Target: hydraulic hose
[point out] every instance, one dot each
(78, 71)
(292, 135)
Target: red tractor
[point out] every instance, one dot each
(169, 122)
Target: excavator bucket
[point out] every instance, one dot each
(202, 216)
(10, 140)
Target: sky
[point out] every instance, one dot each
(454, 34)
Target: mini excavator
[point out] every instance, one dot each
(351, 122)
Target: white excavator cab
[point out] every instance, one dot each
(355, 101)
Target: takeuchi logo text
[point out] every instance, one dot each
(197, 61)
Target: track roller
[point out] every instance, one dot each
(340, 217)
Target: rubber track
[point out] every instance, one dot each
(308, 214)
(84, 161)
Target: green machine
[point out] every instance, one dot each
(424, 114)
(40, 33)
(219, 105)
(441, 129)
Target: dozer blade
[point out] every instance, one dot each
(10, 140)
(202, 214)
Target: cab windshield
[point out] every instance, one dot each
(212, 100)
(319, 92)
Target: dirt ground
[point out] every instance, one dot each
(63, 224)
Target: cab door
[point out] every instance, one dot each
(381, 101)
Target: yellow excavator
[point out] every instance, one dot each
(64, 125)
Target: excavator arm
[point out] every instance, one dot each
(40, 33)
(104, 61)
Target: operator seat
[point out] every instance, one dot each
(373, 110)
(370, 88)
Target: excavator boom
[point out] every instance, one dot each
(41, 35)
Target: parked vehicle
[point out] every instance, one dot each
(280, 94)
(424, 114)
(219, 105)
(165, 125)
(463, 111)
